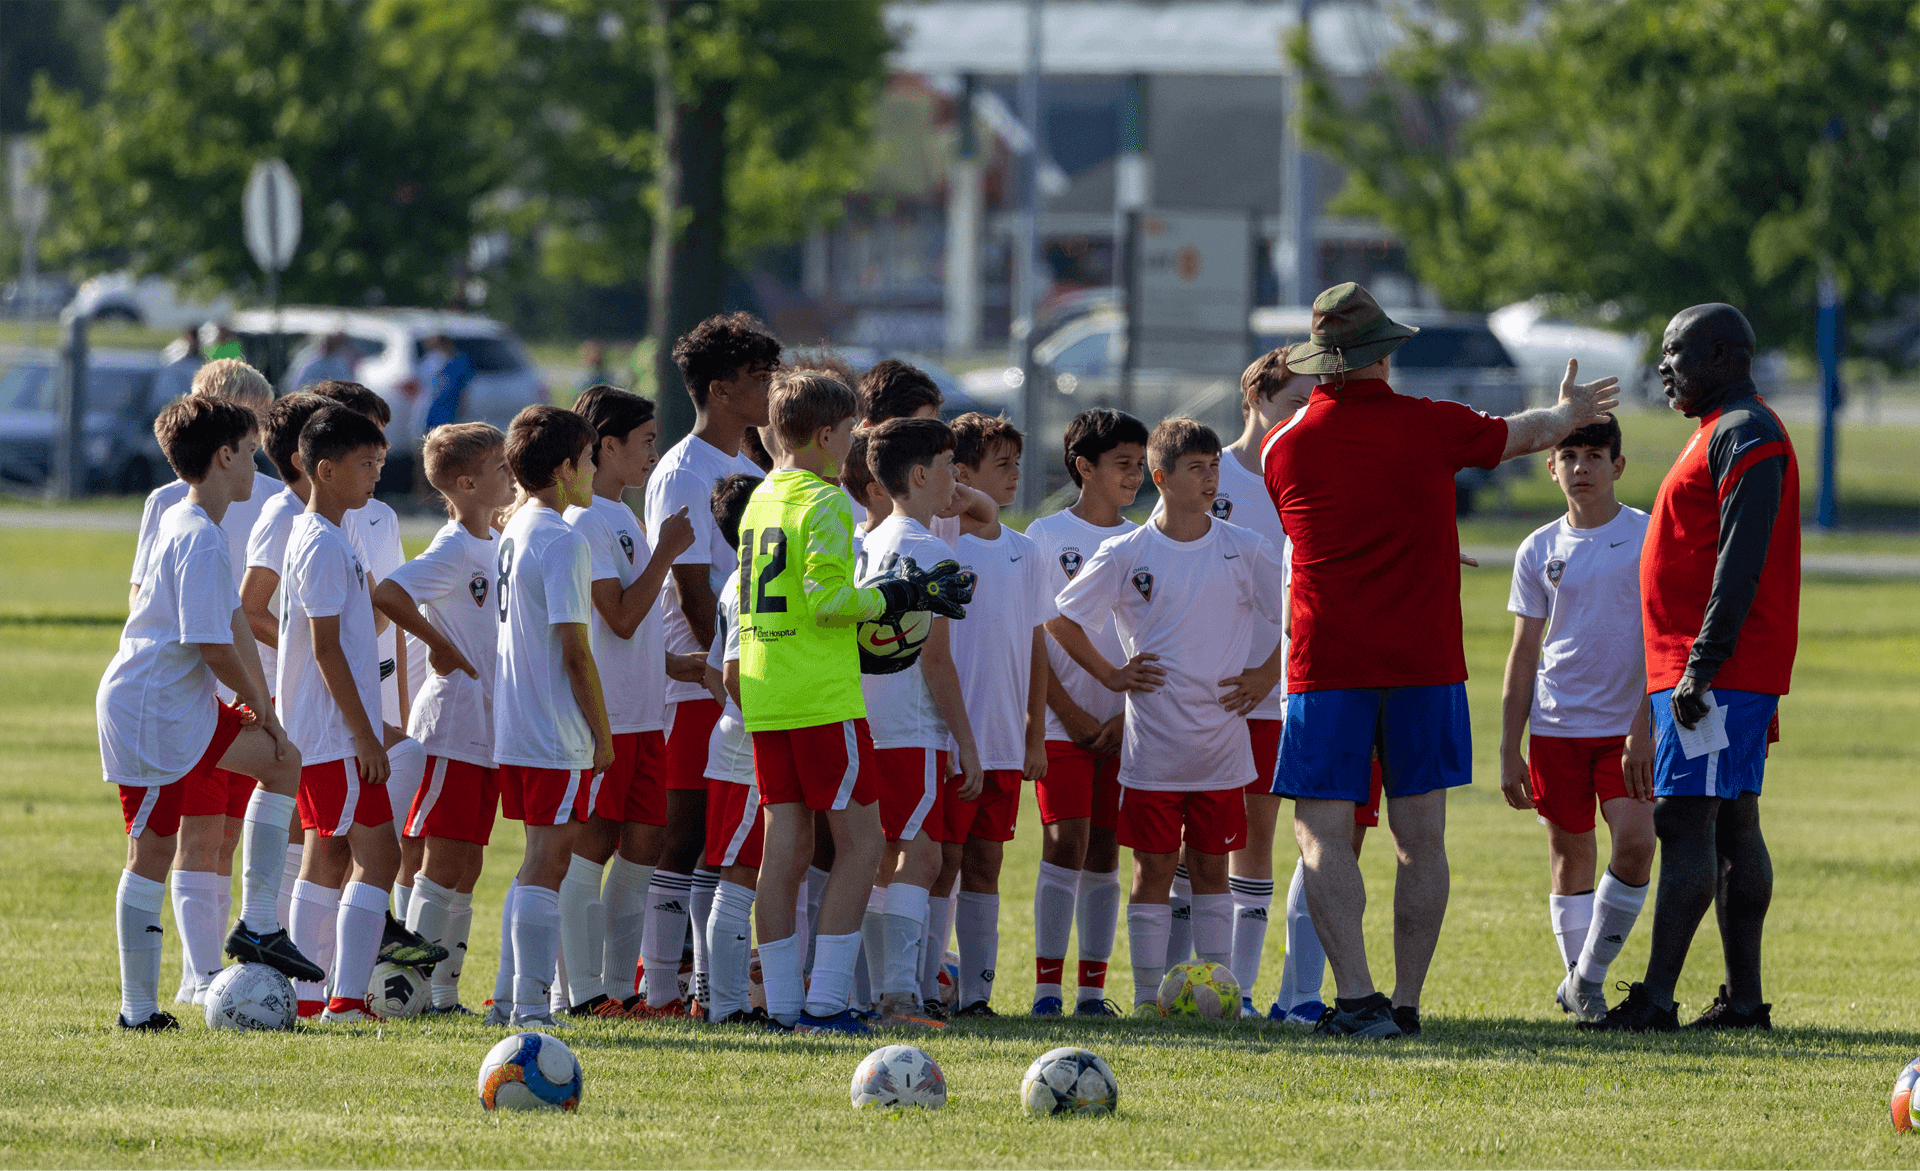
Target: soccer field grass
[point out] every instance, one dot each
(1498, 1078)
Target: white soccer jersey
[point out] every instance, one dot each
(1191, 603)
(237, 523)
(900, 710)
(266, 547)
(452, 584)
(1066, 545)
(324, 578)
(1242, 499)
(730, 747)
(374, 529)
(633, 671)
(684, 478)
(544, 580)
(993, 645)
(1586, 584)
(155, 706)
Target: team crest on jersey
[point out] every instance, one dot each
(477, 586)
(359, 574)
(626, 546)
(1070, 561)
(1555, 568)
(1222, 507)
(972, 578)
(1143, 581)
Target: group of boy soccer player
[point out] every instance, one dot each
(795, 702)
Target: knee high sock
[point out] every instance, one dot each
(557, 1001)
(625, 898)
(1180, 900)
(429, 909)
(906, 927)
(976, 922)
(536, 947)
(1054, 896)
(933, 945)
(312, 924)
(729, 933)
(832, 980)
(503, 976)
(1213, 928)
(583, 929)
(780, 977)
(189, 988)
(446, 975)
(289, 874)
(1098, 921)
(1571, 916)
(263, 859)
(1252, 900)
(699, 906)
(361, 923)
(664, 937)
(1306, 966)
(806, 914)
(137, 927)
(1148, 925)
(1615, 907)
(873, 947)
(196, 912)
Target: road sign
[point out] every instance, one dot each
(28, 198)
(1193, 290)
(271, 215)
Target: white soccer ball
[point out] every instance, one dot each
(950, 980)
(530, 1071)
(899, 1076)
(1069, 1081)
(251, 996)
(395, 991)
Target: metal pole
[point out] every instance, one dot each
(1026, 261)
(1299, 190)
(1828, 341)
(1126, 258)
(69, 478)
(965, 203)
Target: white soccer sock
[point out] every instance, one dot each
(311, 924)
(780, 978)
(1180, 900)
(136, 909)
(427, 914)
(873, 945)
(1054, 895)
(699, 906)
(557, 1001)
(1148, 925)
(729, 935)
(1213, 929)
(363, 920)
(1615, 907)
(933, 945)
(407, 761)
(664, 937)
(906, 926)
(1098, 919)
(289, 874)
(977, 922)
(806, 913)
(583, 930)
(225, 895)
(625, 898)
(1252, 899)
(402, 900)
(1306, 964)
(1571, 916)
(196, 911)
(536, 947)
(446, 974)
(189, 990)
(832, 979)
(503, 975)
(263, 859)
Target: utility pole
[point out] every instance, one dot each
(1298, 252)
(966, 202)
(1026, 260)
(1827, 330)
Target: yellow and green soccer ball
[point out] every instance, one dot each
(1203, 989)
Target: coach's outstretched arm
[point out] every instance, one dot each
(1580, 404)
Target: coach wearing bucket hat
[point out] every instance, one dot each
(1363, 481)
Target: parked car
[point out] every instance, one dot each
(40, 300)
(957, 398)
(151, 301)
(1541, 343)
(123, 398)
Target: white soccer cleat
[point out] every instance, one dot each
(499, 1016)
(537, 1020)
(348, 1016)
(1585, 1006)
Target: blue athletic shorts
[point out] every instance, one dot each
(1327, 745)
(1733, 770)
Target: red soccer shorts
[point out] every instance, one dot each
(1573, 775)
(1158, 821)
(827, 766)
(990, 815)
(333, 799)
(1078, 784)
(456, 800)
(910, 791)
(693, 721)
(736, 833)
(633, 787)
(548, 796)
(212, 791)
(152, 809)
(1266, 753)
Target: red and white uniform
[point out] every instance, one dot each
(684, 478)
(541, 738)
(1586, 584)
(1067, 544)
(374, 530)
(266, 547)
(909, 735)
(633, 672)
(735, 834)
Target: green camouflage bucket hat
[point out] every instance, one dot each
(1350, 331)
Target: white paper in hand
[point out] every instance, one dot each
(1709, 735)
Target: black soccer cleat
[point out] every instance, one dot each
(1369, 1016)
(1636, 1014)
(159, 1022)
(407, 948)
(275, 950)
(978, 1010)
(1722, 1015)
(1407, 1016)
(933, 1009)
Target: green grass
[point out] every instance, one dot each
(1498, 1079)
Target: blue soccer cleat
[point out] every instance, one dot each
(1307, 1013)
(1097, 1008)
(844, 1021)
(1047, 1006)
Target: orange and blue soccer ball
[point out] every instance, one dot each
(1203, 989)
(898, 1076)
(1906, 1103)
(1069, 1081)
(530, 1071)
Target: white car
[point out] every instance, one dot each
(151, 301)
(1542, 343)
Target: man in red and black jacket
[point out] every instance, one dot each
(1720, 610)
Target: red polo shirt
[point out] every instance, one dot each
(1363, 480)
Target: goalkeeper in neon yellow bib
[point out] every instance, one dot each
(800, 693)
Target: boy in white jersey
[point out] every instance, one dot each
(727, 363)
(162, 731)
(328, 695)
(1184, 591)
(600, 939)
(442, 598)
(1000, 651)
(550, 731)
(1577, 673)
(1106, 457)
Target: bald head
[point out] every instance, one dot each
(1706, 351)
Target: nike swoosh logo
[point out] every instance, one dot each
(372, 520)
(1749, 443)
(1617, 544)
(1016, 558)
(1232, 556)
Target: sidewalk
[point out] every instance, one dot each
(1889, 565)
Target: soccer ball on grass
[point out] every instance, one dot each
(1069, 1081)
(1201, 989)
(898, 1076)
(1906, 1103)
(396, 991)
(530, 1071)
(251, 996)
